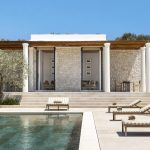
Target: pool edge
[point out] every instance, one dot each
(88, 137)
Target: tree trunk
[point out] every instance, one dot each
(1, 86)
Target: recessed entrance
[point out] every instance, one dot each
(91, 69)
(45, 79)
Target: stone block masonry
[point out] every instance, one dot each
(68, 69)
(125, 65)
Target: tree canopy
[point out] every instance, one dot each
(11, 69)
(133, 37)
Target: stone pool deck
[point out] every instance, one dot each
(108, 131)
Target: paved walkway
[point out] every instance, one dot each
(109, 132)
(111, 137)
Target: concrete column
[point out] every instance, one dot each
(147, 51)
(106, 67)
(25, 56)
(143, 81)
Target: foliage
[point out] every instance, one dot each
(15, 100)
(11, 69)
(133, 37)
(4, 40)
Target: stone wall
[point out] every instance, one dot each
(68, 69)
(125, 65)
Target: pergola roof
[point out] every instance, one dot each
(115, 45)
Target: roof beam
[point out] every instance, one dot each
(114, 44)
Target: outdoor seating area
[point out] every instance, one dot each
(48, 86)
(133, 120)
(127, 86)
(89, 85)
(57, 103)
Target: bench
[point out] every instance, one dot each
(58, 103)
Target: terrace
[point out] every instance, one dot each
(93, 74)
(108, 132)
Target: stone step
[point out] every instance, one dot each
(70, 103)
(74, 106)
(72, 94)
(86, 96)
(93, 100)
(89, 99)
(82, 99)
(96, 96)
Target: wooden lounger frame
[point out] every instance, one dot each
(134, 105)
(125, 126)
(126, 113)
(58, 105)
(144, 110)
(115, 106)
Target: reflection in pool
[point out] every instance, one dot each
(40, 132)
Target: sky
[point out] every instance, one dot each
(21, 18)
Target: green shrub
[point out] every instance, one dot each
(10, 101)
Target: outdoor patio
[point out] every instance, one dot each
(109, 132)
(111, 137)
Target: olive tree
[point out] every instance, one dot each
(12, 69)
(133, 37)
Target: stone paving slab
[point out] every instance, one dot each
(111, 137)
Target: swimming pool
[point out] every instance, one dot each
(40, 131)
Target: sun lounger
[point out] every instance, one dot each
(131, 105)
(143, 110)
(57, 103)
(141, 122)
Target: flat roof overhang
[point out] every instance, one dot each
(115, 45)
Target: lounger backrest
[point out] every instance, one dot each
(145, 108)
(63, 100)
(135, 102)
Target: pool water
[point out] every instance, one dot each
(40, 132)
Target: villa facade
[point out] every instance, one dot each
(72, 62)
